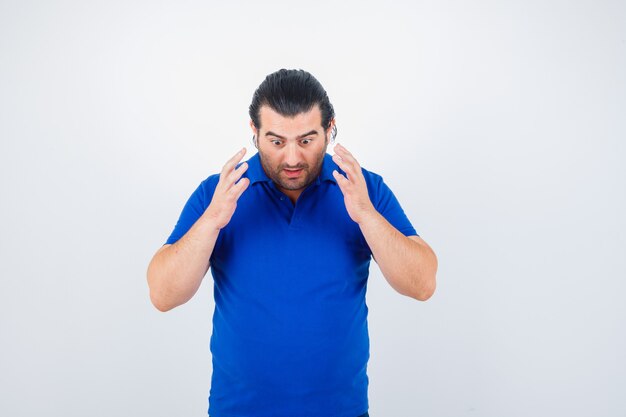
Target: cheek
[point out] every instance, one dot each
(316, 158)
(273, 161)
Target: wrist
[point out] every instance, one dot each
(368, 217)
(210, 222)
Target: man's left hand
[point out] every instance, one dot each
(354, 187)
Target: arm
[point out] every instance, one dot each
(407, 263)
(176, 271)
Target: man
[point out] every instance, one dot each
(289, 235)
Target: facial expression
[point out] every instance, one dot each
(291, 149)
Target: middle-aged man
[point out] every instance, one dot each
(289, 235)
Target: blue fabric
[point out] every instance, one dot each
(290, 333)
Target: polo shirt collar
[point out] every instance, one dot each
(256, 173)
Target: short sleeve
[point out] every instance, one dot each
(194, 208)
(388, 206)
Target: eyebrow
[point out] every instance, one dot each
(312, 132)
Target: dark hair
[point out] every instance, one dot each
(289, 93)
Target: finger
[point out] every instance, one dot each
(351, 166)
(345, 154)
(342, 149)
(341, 180)
(235, 175)
(232, 162)
(347, 167)
(240, 187)
(227, 168)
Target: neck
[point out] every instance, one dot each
(292, 194)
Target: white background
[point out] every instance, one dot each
(499, 125)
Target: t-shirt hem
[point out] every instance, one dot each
(349, 414)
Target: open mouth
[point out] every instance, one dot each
(293, 173)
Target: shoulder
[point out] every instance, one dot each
(375, 184)
(210, 181)
(379, 191)
(203, 193)
(371, 176)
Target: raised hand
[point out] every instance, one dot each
(354, 187)
(224, 201)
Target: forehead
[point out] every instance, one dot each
(301, 122)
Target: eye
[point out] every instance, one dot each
(276, 142)
(306, 141)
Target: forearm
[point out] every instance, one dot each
(176, 271)
(409, 266)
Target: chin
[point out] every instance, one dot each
(290, 186)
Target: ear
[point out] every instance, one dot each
(255, 137)
(331, 126)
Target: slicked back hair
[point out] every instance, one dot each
(289, 93)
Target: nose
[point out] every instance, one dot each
(292, 154)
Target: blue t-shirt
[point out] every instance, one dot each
(290, 334)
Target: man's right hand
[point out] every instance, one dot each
(224, 201)
(176, 270)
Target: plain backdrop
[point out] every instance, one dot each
(499, 125)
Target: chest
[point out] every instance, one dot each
(271, 240)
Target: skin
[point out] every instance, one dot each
(291, 142)
(176, 271)
(407, 263)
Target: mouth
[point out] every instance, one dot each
(293, 173)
